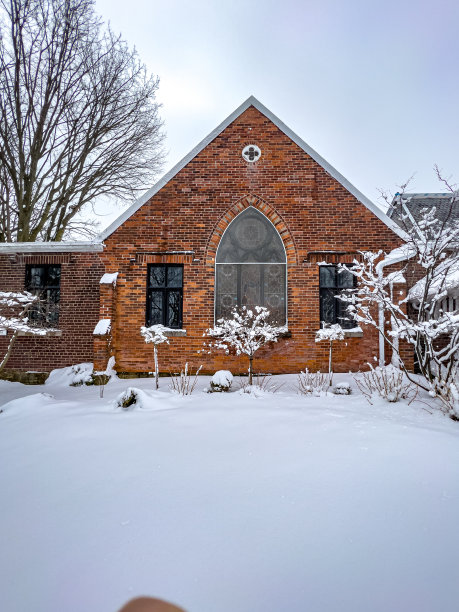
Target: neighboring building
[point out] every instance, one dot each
(406, 208)
(251, 216)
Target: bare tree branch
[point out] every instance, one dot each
(78, 117)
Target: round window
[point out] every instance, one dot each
(251, 153)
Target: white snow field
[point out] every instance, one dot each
(225, 502)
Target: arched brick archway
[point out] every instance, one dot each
(268, 211)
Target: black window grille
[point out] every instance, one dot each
(165, 295)
(44, 281)
(334, 281)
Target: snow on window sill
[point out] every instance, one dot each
(354, 332)
(52, 333)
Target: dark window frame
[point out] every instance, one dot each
(164, 291)
(339, 307)
(47, 312)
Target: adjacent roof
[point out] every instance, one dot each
(252, 101)
(407, 207)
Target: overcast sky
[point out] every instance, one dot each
(371, 85)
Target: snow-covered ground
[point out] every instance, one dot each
(226, 502)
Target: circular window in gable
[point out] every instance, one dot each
(251, 153)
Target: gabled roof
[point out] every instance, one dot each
(407, 207)
(251, 101)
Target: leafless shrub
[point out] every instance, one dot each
(260, 382)
(312, 383)
(184, 383)
(387, 382)
(448, 394)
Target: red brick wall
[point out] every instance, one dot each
(310, 209)
(79, 311)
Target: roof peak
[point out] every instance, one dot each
(252, 101)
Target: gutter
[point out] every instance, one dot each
(51, 247)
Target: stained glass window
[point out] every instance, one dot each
(251, 267)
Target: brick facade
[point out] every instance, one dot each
(79, 310)
(316, 216)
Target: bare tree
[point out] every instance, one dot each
(78, 117)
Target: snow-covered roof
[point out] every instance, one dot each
(74, 246)
(407, 207)
(445, 281)
(252, 101)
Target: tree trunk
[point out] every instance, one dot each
(9, 351)
(156, 367)
(330, 375)
(250, 370)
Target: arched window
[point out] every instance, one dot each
(251, 267)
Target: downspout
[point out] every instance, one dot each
(387, 261)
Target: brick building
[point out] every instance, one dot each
(252, 215)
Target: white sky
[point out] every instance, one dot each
(371, 85)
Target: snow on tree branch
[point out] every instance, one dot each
(245, 333)
(427, 317)
(156, 335)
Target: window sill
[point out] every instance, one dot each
(175, 333)
(52, 333)
(353, 333)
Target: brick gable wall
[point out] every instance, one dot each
(312, 213)
(183, 223)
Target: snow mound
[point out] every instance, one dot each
(29, 402)
(73, 376)
(221, 381)
(342, 388)
(133, 398)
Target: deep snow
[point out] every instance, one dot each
(226, 502)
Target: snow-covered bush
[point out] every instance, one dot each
(245, 333)
(330, 333)
(221, 381)
(387, 382)
(312, 383)
(418, 318)
(184, 383)
(80, 374)
(156, 335)
(131, 398)
(448, 394)
(342, 388)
